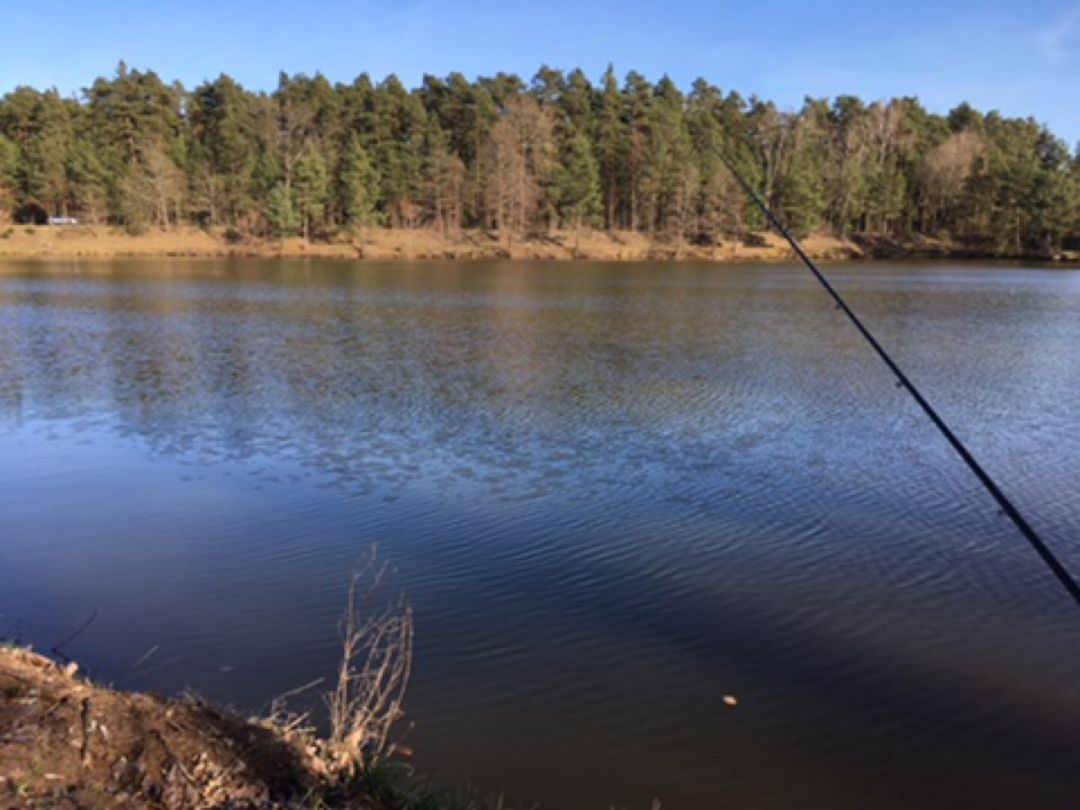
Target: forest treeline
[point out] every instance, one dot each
(316, 158)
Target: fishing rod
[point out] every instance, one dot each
(1041, 548)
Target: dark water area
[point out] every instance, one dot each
(614, 494)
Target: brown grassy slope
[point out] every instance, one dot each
(388, 244)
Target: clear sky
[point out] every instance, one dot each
(1022, 58)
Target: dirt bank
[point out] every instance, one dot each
(65, 742)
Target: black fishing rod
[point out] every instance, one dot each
(1037, 543)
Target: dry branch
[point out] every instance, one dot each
(376, 661)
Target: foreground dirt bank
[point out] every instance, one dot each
(382, 244)
(65, 742)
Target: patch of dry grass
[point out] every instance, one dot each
(388, 244)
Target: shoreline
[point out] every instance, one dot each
(81, 744)
(67, 741)
(382, 244)
(379, 244)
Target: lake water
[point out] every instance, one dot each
(614, 494)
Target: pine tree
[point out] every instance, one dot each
(9, 158)
(223, 123)
(358, 185)
(576, 188)
(266, 175)
(311, 185)
(801, 194)
(90, 182)
(668, 175)
(41, 124)
(280, 211)
(399, 126)
(612, 143)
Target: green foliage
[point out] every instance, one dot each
(576, 189)
(801, 193)
(313, 157)
(668, 173)
(311, 186)
(225, 141)
(280, 211)
(9, 159)
(358, 185)
(41, 125)
(90, 180)
(611, 139)
(265, 176)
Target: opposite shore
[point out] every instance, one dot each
(381, 244)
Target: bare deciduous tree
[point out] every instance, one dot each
(154, 188)
(521, 154)
(948, 168)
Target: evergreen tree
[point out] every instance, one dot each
(612, 143)
(399, 126)
(222, 122)
(90, 182)
(41, 124)
(310, 186)
(719, 201)
(576, 188)
(801, 195)
(637, 103)
(280, 211)
(266, 175)
(9, 158)
(358, 185)
(668, 173)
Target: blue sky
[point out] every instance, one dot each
(1022, 58)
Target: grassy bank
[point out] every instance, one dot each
(387, 244)
(383, 244)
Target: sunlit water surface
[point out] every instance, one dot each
(614, 495)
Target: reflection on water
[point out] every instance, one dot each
(614, 495)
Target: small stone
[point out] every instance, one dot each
(70, 668)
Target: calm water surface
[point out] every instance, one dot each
(613, 494)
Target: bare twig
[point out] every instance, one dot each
(376, 663)
(57, 647)
(285, 720)
(280, 699)
(146, 656)
(365, 700)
